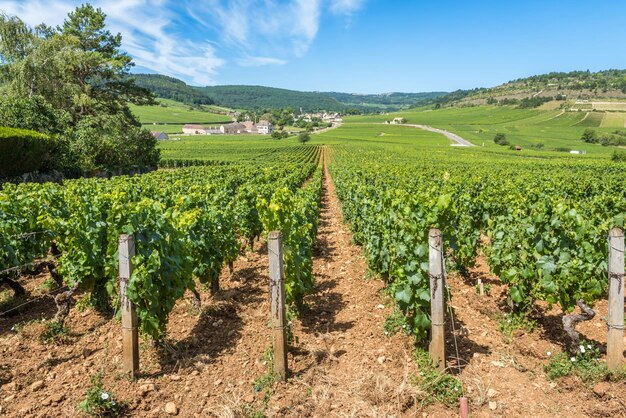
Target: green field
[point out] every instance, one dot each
(223, 147)
(614, 120)
(542, 130)
(173, 112)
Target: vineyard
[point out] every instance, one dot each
(533, 231)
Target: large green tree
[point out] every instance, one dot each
(79, 71)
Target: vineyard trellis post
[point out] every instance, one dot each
(130, 335)
(615, 341)
(277, 298)
(437, 347)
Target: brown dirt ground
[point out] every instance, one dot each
(342, 365)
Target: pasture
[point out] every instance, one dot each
(169, 111)
(536, 131)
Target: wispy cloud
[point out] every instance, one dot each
(346, 7)
(260, 61)
(192, 39)
(147, 35)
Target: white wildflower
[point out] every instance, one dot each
(386, 333)
(589, 346)
(582, 349)
(572, 359)
(104, 396)
(549, 354)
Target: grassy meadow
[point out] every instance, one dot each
(541, 131)
(171, 112)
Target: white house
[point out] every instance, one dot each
(398, 121)
(264, 127)
(193, 129)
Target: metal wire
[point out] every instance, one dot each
(51, 293)
(33, 263)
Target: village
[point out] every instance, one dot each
(262, 127)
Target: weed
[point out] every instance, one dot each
(437, 386)
(586, 364)
(99, 402)
(265, 381)
(48, 285)
(55, 332)
(395, 323)
(509, 323)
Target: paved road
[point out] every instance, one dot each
(459, 142)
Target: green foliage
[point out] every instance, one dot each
(295, 214)
(23, 151)
(100, 402)
(437, 386)
(532, 102)
(500, 139)
(618, 156)
(171, 88)
(617, 138)
(304, 137)
(74, 79)
(586, 364)
(259, 98)
(509, 323)
(280, 134)
(55, 332)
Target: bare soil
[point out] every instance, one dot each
(342, 364)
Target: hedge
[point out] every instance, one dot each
(22, 151)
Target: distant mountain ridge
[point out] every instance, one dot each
(260, 97)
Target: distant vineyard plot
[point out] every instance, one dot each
(169, 111)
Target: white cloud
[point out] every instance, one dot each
(257, 27)
(145, 26)
(189, 38)
(260, 61)
(346, 7)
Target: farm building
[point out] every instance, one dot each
(193, 129)
(160, 135)
(233, 128)
(398, 121)
(265, 127)
(249, 125)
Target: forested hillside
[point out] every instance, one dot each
(384, 101)
(171, 88)
(259, 97)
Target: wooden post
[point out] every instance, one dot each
(130, 336)
(277, 297)
(437, 348)
(615, 341)
(481, 287)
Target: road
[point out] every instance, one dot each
(459, 142)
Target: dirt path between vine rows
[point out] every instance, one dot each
(344, 363)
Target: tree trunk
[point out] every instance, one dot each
(251, 244)
(231, 268)
(570, 322)
(52, 267)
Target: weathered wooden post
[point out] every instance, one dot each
(130, 336)
(437, 348)
(481, 287)
(277, 298)
(615, 341)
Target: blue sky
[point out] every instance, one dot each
(360, 46)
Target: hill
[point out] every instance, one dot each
(533, 91)
(259, 97)
(383, 102)
(172, 88)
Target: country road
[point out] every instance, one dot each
(459, 142)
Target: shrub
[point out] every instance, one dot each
(23, 151)
(590, 136)
(618, 156)
(304, 137)
(500, 139)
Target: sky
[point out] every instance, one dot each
(356, 46)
